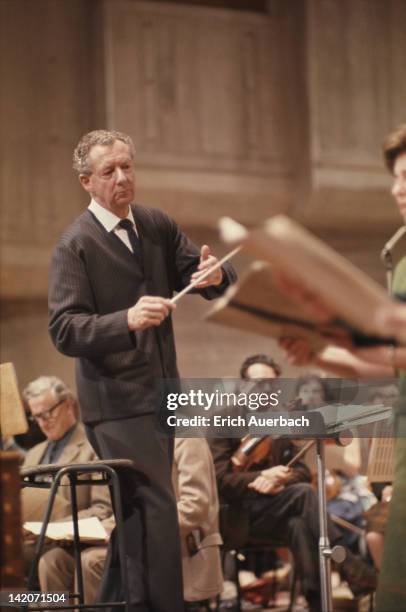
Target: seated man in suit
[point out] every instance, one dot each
(194, 483)
(270, 501)
(56, 569)
(53, 406)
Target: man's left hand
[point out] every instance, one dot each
(207, 261)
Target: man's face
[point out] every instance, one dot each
(111, 182)
(399, 184)
(54, 418)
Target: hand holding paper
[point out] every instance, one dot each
(329, 290)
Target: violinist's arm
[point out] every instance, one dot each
(284, 450)
(299, 473)
(232, 485)
(274, 479)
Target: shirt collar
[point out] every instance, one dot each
(66, 436)
(108, 219)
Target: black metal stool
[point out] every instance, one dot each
(108, 476)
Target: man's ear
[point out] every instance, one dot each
(84, 180)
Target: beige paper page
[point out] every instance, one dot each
(90, 530)
(12, 415)
(350, 293)
(256, 305)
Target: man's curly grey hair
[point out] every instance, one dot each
(97, 137)
(43, 384)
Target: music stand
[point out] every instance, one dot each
(336, 425)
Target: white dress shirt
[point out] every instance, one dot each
(110, 221)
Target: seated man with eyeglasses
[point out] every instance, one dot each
(54, 407)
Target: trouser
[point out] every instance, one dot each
(391, 593)
(150, 516)
(28, 558)
(56, 571)
(291, 516)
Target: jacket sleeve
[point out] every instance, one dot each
(231, 485)
(193, 470)
(75, 327)
(97, 500)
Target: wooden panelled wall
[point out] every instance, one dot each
(232, 113)
(205, 96)
(47, 102)
(356, 53)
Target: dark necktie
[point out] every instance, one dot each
(132, 236)
(53, 448)
(50, 452)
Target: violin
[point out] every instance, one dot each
(254, 449)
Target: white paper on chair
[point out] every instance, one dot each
(90, 530)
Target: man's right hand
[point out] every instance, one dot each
(271, 480)
(150, 310)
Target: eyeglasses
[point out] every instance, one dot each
(44, 416)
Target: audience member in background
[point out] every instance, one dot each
(268, 500)
(56, 569)
(346, 490)
(312, 391)
(194, 483)
(53, 406)
(262, 368)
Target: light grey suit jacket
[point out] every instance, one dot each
(92, 500)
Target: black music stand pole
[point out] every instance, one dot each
(326, 553)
